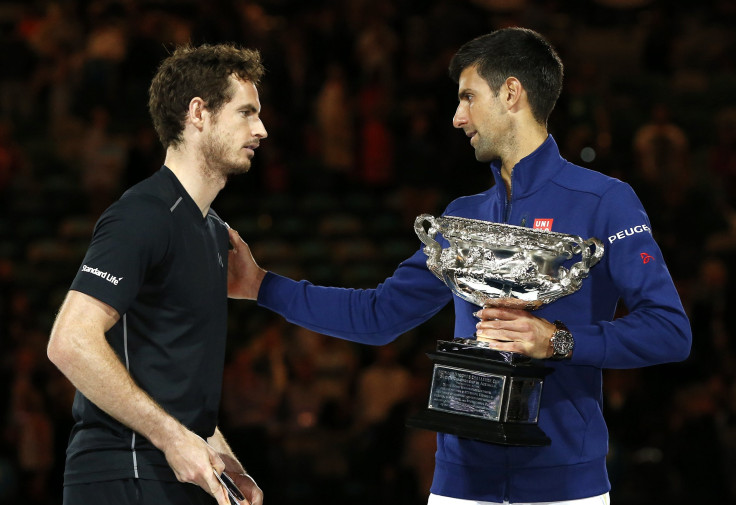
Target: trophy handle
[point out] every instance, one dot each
(597, 253)
(580, 269)
(433, 250)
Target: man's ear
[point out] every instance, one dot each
(197, 112)
(512, 91)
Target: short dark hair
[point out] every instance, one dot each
(515, 52)
(201, 71)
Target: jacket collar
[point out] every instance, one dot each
(532, 172)
(186, 199)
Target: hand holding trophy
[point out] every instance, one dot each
(478, 392)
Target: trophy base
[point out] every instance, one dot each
(527, 435)
(484, 394)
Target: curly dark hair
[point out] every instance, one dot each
(203, 72)
(515, 52)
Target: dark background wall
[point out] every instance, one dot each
(358, 106)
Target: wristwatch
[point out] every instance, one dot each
(561, 341)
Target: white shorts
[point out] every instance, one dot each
(434, 499)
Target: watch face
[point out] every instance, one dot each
(562, 343)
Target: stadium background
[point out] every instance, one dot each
(358, 107)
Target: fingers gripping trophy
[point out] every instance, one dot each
(478, 392)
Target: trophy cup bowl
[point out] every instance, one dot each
(478, 392)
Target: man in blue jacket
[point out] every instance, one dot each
(508, 83)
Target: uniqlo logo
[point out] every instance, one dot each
(543, 224)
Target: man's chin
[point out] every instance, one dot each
(237, 169)
(227, 171)
(485, 157)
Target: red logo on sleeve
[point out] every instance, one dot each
(646, 258)
(543, 224)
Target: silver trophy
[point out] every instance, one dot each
(478, 392)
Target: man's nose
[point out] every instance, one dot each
(259, 130)
(460, 118)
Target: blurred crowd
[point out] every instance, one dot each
(358, 107)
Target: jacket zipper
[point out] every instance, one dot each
(510, 196)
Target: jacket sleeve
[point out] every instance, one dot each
(377, 316)
(656, 328)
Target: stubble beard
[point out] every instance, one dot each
(216, 163)
(484, 152)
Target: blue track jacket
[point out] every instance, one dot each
(576, 201)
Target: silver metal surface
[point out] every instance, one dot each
(501, 265)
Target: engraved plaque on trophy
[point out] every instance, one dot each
(478, 392)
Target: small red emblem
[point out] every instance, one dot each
(543, 224)
(646, 258)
